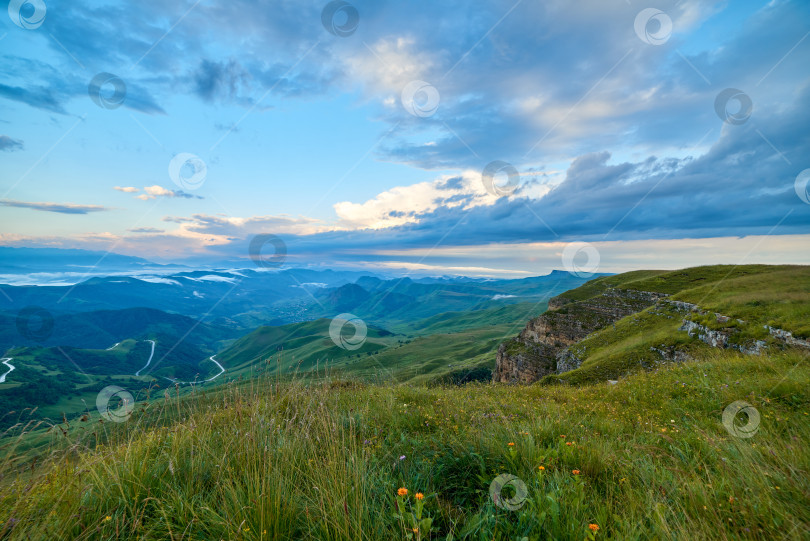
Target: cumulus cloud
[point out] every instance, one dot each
(406, 204)
(126, 189)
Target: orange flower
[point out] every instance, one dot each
(575, 472)
(511, 444)
(569, 443)
(541, 468)
(418, 495)
(402, 492)
(562, 435)
(593, 527)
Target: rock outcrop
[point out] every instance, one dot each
(541, 347)
(788, 338)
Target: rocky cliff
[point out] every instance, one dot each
(541, 347)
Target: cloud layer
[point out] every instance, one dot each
(615, 138)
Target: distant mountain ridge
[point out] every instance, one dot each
(247, 298)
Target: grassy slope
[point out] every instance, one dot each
(757, 294)
(448, 343)
(447, 322)
(288, 462)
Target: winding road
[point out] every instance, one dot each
(138, 373)
(6, 360)
(211, 358)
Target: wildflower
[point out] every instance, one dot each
(415, 530)
(562, 435)
(593, 527)
(402, 491)
(402, 457)
(418, 495)
(541, 468)
(511, 444)
(575, 472)
(569, 443)
(106, 519)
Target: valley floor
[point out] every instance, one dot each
(647, 458)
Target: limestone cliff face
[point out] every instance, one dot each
(541, 347)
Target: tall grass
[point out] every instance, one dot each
(268, 459)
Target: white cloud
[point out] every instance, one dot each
(404, 204)
(155, 191)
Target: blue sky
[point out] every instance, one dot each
(312, 132)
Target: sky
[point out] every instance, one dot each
(489, 138)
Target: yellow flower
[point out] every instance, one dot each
(402, 491)
(106, 519)
(541, 468)
(418, 495)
